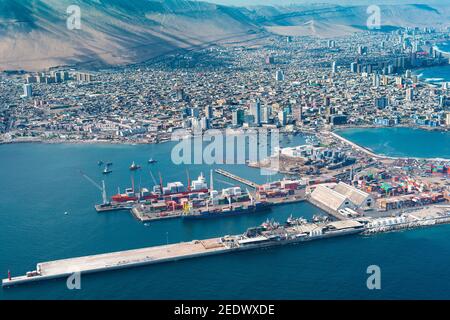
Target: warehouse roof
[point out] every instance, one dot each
(328, 197)
(353, 194)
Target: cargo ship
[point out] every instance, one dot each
(172, 189)
(228, 211)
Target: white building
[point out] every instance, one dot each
(341, 196)
(27, 91)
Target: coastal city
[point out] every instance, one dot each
(292, 83)
(99, 167)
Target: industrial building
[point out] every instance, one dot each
(341, 196)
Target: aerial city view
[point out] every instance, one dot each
(217, 150)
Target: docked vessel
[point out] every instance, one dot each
(159, 192)
(228, 211)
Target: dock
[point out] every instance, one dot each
(271, 236)
(237, 178)
(140, 213)
(113, 207)
(119, 260)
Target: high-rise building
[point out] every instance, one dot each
(27, 91)
(409, 94)
(376, 80)
(390, 69)
(57, 77)
(194, 112)
(31, 79)
(179, 94)
(255, 111)
(282, 117)
(65, 75)
(265, 114)
(399, 81)
(279, 75)
(381, 102)
(83, 77)
(270, 59)
(442, 101)
(362, 50)
(237, 117)
(204, 123)
(209, 112)
(298, 113)
(333, 67)
(408, 74)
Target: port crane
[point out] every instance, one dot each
(153, 178)
(252, 200)
(102, 188)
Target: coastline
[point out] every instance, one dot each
(299, 130)
(80, 142)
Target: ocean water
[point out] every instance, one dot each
(436, 74)
(444, 47)
(401, 142)
(40, 182)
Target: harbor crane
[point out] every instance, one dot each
(102, 188)
(153, 178)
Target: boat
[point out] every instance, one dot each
(106, 170)
(319, 218)
(134, 167)
(228, 211)
(291, 221)
(151, 161)
(99, 163)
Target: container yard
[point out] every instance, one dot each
(199, 200)
(268, 234)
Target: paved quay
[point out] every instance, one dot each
(121, 259)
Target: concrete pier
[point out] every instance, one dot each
(423, 217)
(118, 260)
(237, 178)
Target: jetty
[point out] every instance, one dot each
(269, 234)
(237, 178)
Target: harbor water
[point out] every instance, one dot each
(401, 142)
(47, 213)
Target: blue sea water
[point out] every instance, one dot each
(444, 47)
(436, 74)
(401, 142)
(40, 182)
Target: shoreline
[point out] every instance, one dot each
(299, 130)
